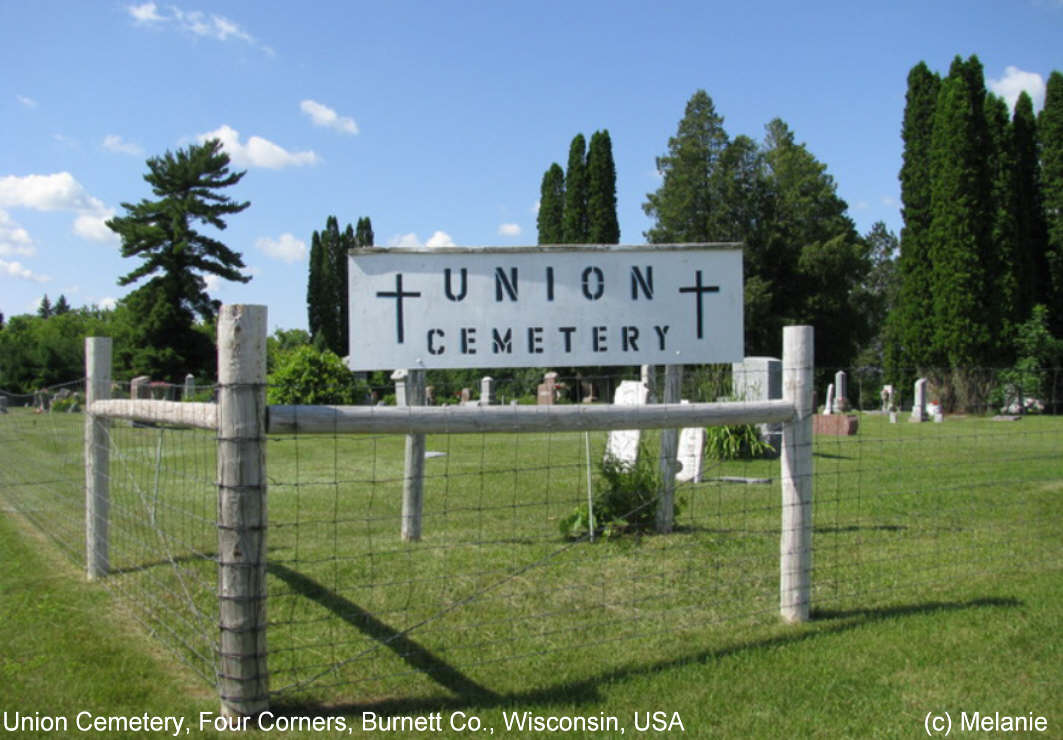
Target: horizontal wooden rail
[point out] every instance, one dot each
(178, 413)
(483, 419)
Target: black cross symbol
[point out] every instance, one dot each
(398, 295)
(699, 290)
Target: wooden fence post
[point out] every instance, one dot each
(413, 486)
(795, 546)
(97, 458)
(673, 382)
(243, 675)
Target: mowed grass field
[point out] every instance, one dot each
(937, 583)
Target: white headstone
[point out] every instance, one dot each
(841, 392)
(623, 444)
(887, 397)
(399, 376)
(138, 387)
(190, 387)
(691, 446)
(487, 390)
(829, 407)
(919, 405)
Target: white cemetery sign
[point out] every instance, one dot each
(544, 306)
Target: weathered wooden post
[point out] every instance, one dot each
(795, 546)
(413, 486)
(243, 676)
(97, 458)
(673, 381)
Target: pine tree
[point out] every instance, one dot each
(575, 215)
(602, 224)
(61, 306)
(1031, 264)
(160, 232)
(682, 207)
(550, 220)
(1050, 135)
(960, 222)
(44, 309)
(910, 326)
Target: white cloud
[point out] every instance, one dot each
(440, 239)
(212, 281)
(28, 102)
(404, 240)
(322, 115)
(286, 247)
(509, 230)
(195, 22)
(146, 13)
(258, 152)
(890, 201)
(16, 270)
(14, 240)
(59, 192)
(1016, 81)
(92, 226)
(107, 304)
(115, 143)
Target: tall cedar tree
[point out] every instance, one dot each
(1007, 307)
(550, 220)
(682, 207)
(315, 288)
(602, 224)
(575, 216)
(328, 302)
(187, 185)
(1050, 135)
(910, 328)
(44, 308)
(960, 221)
(1031, 266)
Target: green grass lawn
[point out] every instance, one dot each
(938, 556)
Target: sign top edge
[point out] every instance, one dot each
(548, 248)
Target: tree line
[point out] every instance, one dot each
(975, 279)
(982, 242)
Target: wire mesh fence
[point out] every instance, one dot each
(495, 599)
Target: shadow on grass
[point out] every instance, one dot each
(469, 694)
(416, 656)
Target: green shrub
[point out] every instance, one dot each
(308, 376)
(739, 442)
(625, 499)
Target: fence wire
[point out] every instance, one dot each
(494, 601)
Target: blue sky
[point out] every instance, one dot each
(438, 119)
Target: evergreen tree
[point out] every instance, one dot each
(1031, 264)
(1007, 306)
(910, 327)
(315, 289)
(682, 207)
(363, 236)
(960, 222)
(44, 309)
(330, 328)
(602, 224)
(341, 293)
(61, 306)
(575, 215)
(1050, 135)
(160, 232)
(552, 206)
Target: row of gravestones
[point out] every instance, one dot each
(142, 387)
